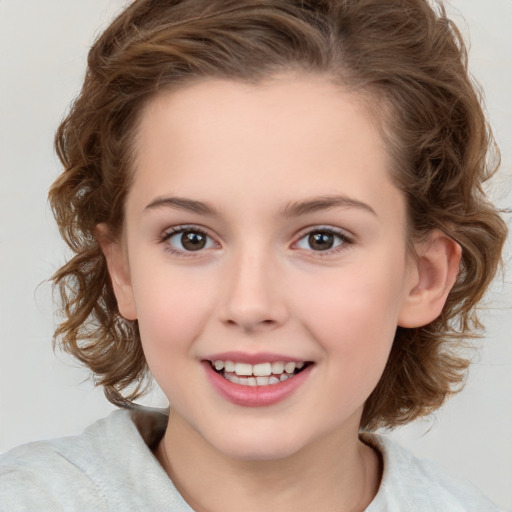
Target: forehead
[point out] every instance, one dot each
(292, 136)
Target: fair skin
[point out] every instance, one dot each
(262, 224)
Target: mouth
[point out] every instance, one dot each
(260, 374)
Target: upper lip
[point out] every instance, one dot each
(256, 358)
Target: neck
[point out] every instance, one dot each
(337, 473)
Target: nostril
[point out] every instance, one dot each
(249, 326)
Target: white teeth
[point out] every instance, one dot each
(254, 381)
(244, 369)
(232, 378)
(277, 368)
(261, 374)
(289, 367)
(262, 370)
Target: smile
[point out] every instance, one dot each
(255, 385)
(261, 374)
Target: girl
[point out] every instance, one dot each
(276, 210)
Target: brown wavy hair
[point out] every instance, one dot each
(404, 56)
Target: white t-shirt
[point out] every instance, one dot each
(110, 467)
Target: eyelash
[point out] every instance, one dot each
(345, 240)
(180, 230)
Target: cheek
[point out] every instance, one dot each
(353, 316)
(355, 324)
(172, 308)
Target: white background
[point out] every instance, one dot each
(43, 46)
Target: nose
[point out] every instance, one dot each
(253, 298)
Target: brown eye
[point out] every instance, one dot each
(193, 241)
(183, 240)
(321, 241)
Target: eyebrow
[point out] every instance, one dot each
(317, 204)
(294, 209)
(181, 203)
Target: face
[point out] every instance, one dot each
(264, 257)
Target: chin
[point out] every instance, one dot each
(256, 451)
(254, 445)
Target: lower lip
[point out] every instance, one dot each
(255, 396)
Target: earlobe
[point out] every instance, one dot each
(436, 269)
(118, 268)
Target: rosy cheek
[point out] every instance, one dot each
(171, 307)
(352, 308)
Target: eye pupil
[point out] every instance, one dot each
(193, 241)
(321, 241)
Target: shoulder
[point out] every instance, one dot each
(107, 467)
(53, 473)
(409, 483)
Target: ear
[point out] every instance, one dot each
(433, 274)
(119, 270)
